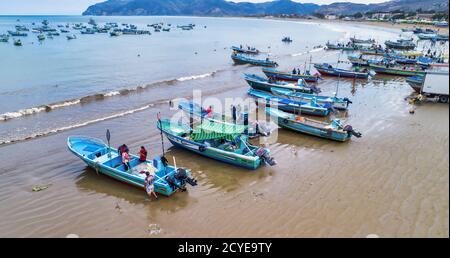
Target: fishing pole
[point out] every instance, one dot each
(161, 133)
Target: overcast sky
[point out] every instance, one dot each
(78, 6)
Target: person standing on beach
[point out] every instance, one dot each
(149, 187)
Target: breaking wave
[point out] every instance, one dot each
(95, 97)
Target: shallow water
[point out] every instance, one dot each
(392, 182)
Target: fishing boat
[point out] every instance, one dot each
(254, 130)
(219, 141)
(260, 83)
(17, 33)
(286, 76)
(115, 33)
(427, 36)
(70, 37)
(441, 37)
(286, 40)
(332, 131)
(335, 102)
(41, 37)
(17, 42)
(240, 59)
(358, 61)
(374, 52)
(248, 50)
(327, 69)
(166, 29)
(362, 41)
(400, 44)
(395, 70)
(64, 31)
(288, 105)
(107, 161)
(343, 47)
(4, 38)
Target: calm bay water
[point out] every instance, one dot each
(377, 184)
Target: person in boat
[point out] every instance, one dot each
(267, 59)
(294, 71)
(209, 111)
(142, 154)
(122, 148)
(126, 160)
(234, 113)
(298, 71)
(149, 187)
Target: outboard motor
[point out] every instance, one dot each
(348, 101)
(172, 183)
(263, 154)
(330, 107)
(350, 131)
(182, 176)
(315, 89)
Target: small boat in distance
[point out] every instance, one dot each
(286, 40)
(107, 161)
(41, 37)
(240, 59)
(17, 42)
(332, 131)
(70, 37)
(327, 69)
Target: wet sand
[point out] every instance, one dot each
(393, 182)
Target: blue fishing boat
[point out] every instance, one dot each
(416, 82)
(240, 59)
(105, 160)
(4, 38)
(289, 76)
(219, 141)
(338, 103)
(288, 105)
(260, 83)
(70, 37)
(248, 50)
(332, 131)
(327, 69)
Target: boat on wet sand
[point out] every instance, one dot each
(107, 161)
(332, 131)
(326, 69)
(288, 105)
(219, 141)
(396, 70)
(260, 83)
(286, 76)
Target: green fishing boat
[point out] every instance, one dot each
(220, 141)
(395, 70)
(41, 37)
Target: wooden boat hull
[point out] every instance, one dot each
(392, 71)
(277, 75)
(103, 165)
(416, 83)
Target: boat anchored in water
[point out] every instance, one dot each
(356, 73)
(241, 59)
